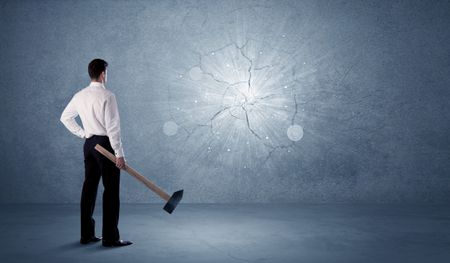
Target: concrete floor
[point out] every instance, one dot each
(233, 233)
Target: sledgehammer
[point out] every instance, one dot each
(172, 201)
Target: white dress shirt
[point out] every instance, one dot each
(99, 114)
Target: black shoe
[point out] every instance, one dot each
(85, 241)
(117, 243)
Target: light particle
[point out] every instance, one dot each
(295, 132)
(170, 128)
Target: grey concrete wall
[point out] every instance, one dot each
(234, 101)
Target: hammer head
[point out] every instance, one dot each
(173, 201)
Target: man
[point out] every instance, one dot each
(98, 111)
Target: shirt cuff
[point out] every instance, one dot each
(119, 153)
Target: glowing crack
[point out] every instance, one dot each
(245, 95)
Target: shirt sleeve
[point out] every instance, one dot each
(112, 125)
(68, 119)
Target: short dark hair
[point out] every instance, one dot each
(96, 67)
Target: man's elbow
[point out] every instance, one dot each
(62, 119)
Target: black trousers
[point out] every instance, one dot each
(96, 166)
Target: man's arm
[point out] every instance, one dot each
(68, 119)
(112, 123)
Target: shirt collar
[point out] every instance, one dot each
(97, 84)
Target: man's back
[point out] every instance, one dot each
(91, 105)
(98, 111)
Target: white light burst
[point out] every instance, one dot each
(239, 104)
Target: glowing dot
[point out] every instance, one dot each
(285, 106)
(295, 132)
(180, 76)
(170, 128)
(212, 53)
(285, 87)
(228, 150)
(304, 63)
(195, 101)
(178, 108)
(283, 36)
(228, 65)
(248, 143)
(245, 166)
(195, 73)
(260, 52)
(267, 137)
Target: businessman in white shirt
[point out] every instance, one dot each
(98, 111)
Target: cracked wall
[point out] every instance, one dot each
(236, 101)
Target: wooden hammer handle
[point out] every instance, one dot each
(135, 174)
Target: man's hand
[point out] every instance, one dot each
(120, 162)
